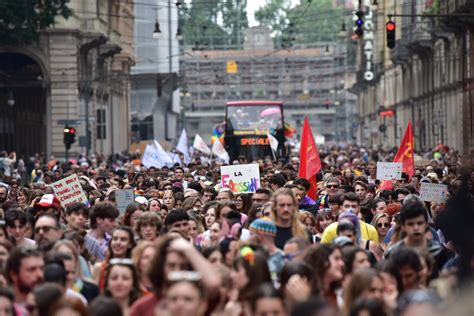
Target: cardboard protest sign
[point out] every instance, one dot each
(240, 178)
(389, 170)
(433, 192)
(69, 191)
(123, 199)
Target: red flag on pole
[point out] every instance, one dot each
(310, 163)
(406, 152)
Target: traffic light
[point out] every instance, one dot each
(359, 23)
(391, 28)
(69, 136)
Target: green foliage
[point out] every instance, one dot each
(22, 20)
(211, 24)
(309, 22)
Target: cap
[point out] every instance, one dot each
(49, 200)
(263, 226)
(141, 200)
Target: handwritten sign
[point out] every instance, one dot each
(433, 192)
(240, 178)
(123, 199)
(69, 191)
(389, 170)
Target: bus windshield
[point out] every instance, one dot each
(253, 119)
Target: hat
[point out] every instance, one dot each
(263, 226)
(342, 241)
(49, 200)
(141, 200)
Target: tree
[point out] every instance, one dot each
(22, 20)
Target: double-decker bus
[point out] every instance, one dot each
(248, 124)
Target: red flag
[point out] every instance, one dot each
(310, 163)
(406, 152)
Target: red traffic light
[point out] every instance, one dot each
(391, 26)
(72, 130)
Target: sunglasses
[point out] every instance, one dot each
(332, 186)
(385, 225)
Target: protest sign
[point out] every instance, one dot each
(389, 170)
(123, 199)
(69, 191)
(433, 192)
(240, 178)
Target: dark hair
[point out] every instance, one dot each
(264, 191)
(299, 268)
(404, 256)
(149, 218)
(13, 215)
(8, 294)
(209, 190)
(302, 182)
(373, 307)
(135, 293)
(325, 213)
(104, 306)
(176, 215)
(13, 264)
(256, 271)
(78, 208)
(336, 198)
(131, 237)
(277, 179)
(349, 254)
(317, 257)
(374, 202)
(412, 209)
(349, 196)
(252, 215)
(313, 306)
(265, 290)
(46, 295)
(102, 210)
(361, 183)
(55, 272)
(345, 226)
(129, 210)
(246, 202)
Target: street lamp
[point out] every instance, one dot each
(11, 99)
(157, 31)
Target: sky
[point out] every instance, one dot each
(254, 5)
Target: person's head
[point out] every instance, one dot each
(103, 216)
(132, 213)
(77, 215)
(355, 258)
(165, 260)
(290, 269)
(408, 263)
(214, 255)
(104, 306)
(178, 173)
(277, 181)
(225, 196)
(154, 205)
(261, 196)
(427, 263)
(210, 213)
(323, 219)
(185, 298)
(7, 299)
(243, 202)
(348, 225)
(121, 280)
(141, 257)
(208, 194)
(315, 306)
(294, 248)
(224, 208)
(169, 199)
(365, 283)
(122, 242)
(414, 220)
(15, 221)
(177, 220)
(43, 297)
(249, 270)
(328, 265)
(350, 203)
(68, 247)
(381, 222)
(148, 226)
(192, 203)
(360, 189)
(285, 206)
(367, 307)
(3, 193)
(422, 302)
(47, 232)
(267, 301)
(302, 186)
(24, 269)
(332, 185)
(263, 230)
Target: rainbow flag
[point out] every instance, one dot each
(290, 131)
(218, 133)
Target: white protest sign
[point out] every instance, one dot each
(433, 192)
(389, 170)
(123, 199)
(240, 178)
(69, 191)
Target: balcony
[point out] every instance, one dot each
(417, 37)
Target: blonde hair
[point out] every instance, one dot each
(69, 244)
(138, 252)
(297, 229)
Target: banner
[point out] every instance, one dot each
(310, 163)
(123, 198)
(219, 150)
(240, 178)
(406, 151)
(69, 191)
(154, 158)
(201, 145)
(182, 146)
(433, 192)
(389, 170)
(273, 142)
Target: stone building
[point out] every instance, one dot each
(309, 80)
(427, 78)
(77, 74)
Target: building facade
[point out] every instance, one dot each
(426, 78)
(77, 75)
(310, 81)
(155, 94)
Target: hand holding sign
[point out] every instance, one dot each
(389, 170)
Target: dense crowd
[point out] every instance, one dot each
(187, 246)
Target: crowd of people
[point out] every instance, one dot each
(187, 246)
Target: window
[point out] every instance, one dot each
(101, 124)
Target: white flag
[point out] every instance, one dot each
(273, 142)
(219, 150)
(174, 158)
(182, 146)
(165, 159)
(153, 158)
(201, 145)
